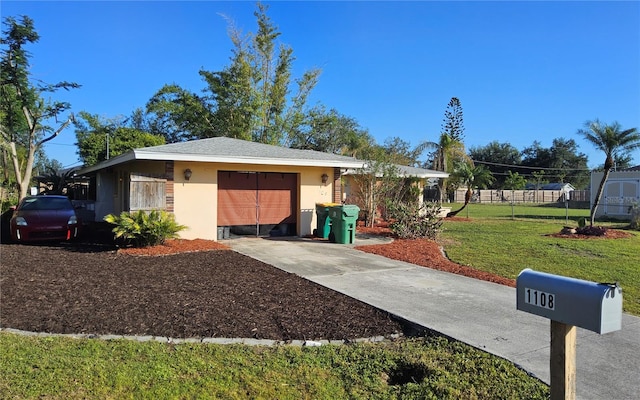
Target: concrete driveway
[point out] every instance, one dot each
(479, 313)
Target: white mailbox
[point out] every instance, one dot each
(589, 305)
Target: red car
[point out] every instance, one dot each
(45, 217)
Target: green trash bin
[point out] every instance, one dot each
(343, 223)
(323, 222)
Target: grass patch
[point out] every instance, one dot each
(494, 242)
(425, 368)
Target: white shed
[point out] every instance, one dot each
(621, 192)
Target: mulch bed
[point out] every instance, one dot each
(217, 293)
(196, 288)
(427, 253)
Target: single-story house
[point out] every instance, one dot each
(219, 185)
(621, 191)
(563, 190)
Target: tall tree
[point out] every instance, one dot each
(180, 115)
(330, 132)
(453, 124)
(448, 152)
(610, 139)
(514, 181)
(25, 115)
(562, 161)
(400, 151)
(249, 99)
(499, 158)
(99, 139)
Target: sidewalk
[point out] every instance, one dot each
(479, 313)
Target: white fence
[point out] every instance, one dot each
(522, 196)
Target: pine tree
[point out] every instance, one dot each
(453, 124)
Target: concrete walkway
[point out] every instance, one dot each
(479, 313)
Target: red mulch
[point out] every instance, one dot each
(174, 246)
(427, 253)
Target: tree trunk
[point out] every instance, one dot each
(599, 194)
(467, 199)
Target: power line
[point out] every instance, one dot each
(528, 167)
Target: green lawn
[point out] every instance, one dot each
(431, 368)
(492, 241)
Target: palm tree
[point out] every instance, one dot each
(611, 139)
(473, 177)
(447, 150)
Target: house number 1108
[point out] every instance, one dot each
(540, 299)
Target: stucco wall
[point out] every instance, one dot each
(196, 200)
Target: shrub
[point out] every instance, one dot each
(412, 221)
(142, 229)
(8, 203)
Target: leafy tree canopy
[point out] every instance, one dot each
(95, 136)
(330, 132)
(561, 162)
(27, 118)
(514, 181)
(499, 158)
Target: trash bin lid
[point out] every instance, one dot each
(350, 210)
(326, 205)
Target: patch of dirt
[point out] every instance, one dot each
(204, 292)
(609, 234)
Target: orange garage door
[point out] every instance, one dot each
(260, 199)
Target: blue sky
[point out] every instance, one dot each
(523, 71)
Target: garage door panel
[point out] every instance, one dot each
(256, 198)
(275, 207)
(276, 198)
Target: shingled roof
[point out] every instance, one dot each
(405, 171)
(229, 150)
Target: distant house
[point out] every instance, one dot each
(621, 192)
(564, 189)
(221, 185)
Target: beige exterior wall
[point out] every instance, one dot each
(196, 200)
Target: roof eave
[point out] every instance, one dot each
(140, 154)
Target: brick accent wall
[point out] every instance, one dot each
(337, 186)
(168, 171)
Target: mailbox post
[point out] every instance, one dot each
(568, 303)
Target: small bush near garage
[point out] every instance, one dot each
(142, 229)
(413, 221)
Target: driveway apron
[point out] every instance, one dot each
(479, 313)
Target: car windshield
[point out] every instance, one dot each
(46, 203)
